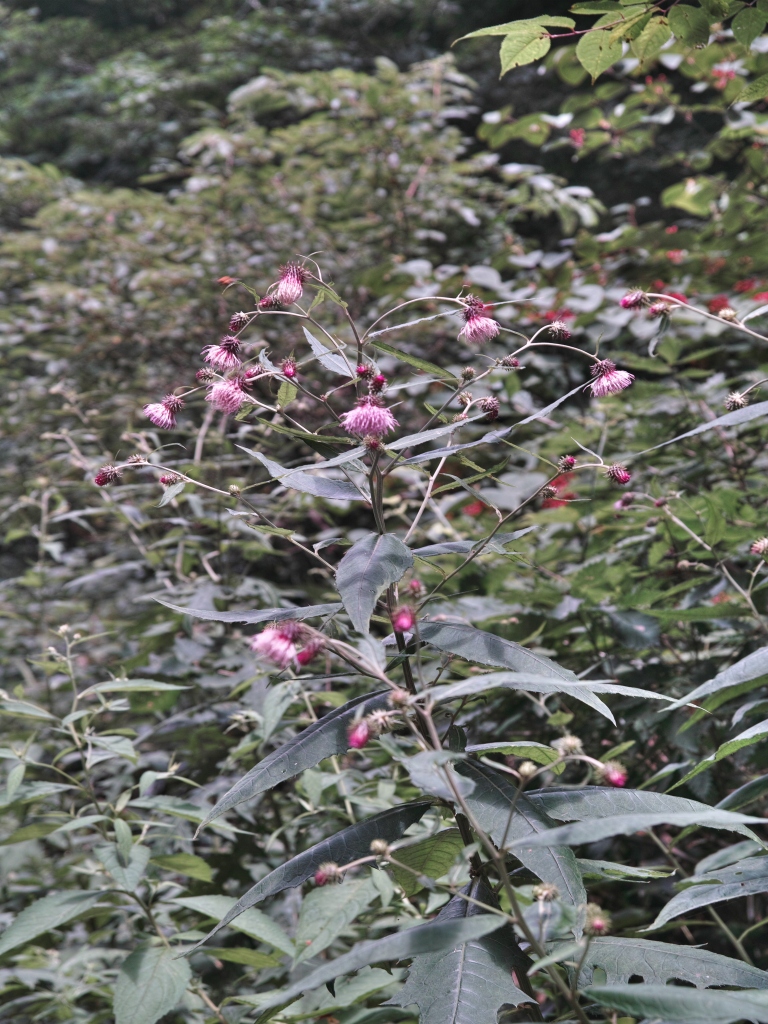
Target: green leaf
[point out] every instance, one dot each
(150, 983)
(127, 875)
(327, 911)
(185, 864)
(369, 566)
(245, 956)
(689, 24)
(286, 394)
(541, 753)
(253, 922)
(45, 914)
(24, 709)
(608, 871)
(320, 486)
(597, 51)
(411, 942)
(322, 739)
(310, 611)
(406, 357)
(755, 90)
(730, 419)
(745, 795)
(650, 41)
(658, 963)
(520, 27)
(328, 359)
(745, 739)
(694, 195)
(432, 858)
(521, 48)
(469, 983)
(676, 1005)
(347, 845)
(479, 647)
(131, 686)
(171, 492)
(747, 25)
(490, 802)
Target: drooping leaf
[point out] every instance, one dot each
(676, 1005)
(320, 486)
(608, 871)
(744, 878)
(171, 492)
(411, 440)
(253, 922)
(747, 25)
(243, 955)
(747, 738)
(330, 360)
(657, 963)
(127, 875)
(469, 983)
(745, 795)
(411, 942)
(541, 753)
(430, 858)
(438, 453)
(131, 686)
(689, 24)
(327, 911)
(518, 48)
(347, 845)
(729, 419)
(150, 983)
(366, 570)
(754, 666)
(451, 547)
(520, 26)
(491, 802)
(479, 647)
(310, 611)
(45, 914)
(322, 739)
(286, 394)
(597, 51)
(757, 89)
(431, 770)
(186, 864)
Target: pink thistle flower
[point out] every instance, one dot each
(369, 418)
(310, 651)
(566, 463)
(477, 326)
(633, 300)
(163, 414)
(364, 371)
(169, 479)
(238, 320)
(608, 380)
(270, 301)
(559, 329)
(659, 309)
(359, 734)
(107, 475)
(613, 774)
(288, 368)
(277, 643)
(205, 375)
(490, 407)
(759, 547)
(417, 588)
(619, 474)
(378, 383)
(512, 362)
(598, 921)
(328, 872)
(252, 373)
(225, 355)
(227, 395)
(403, 619)
(290, 286)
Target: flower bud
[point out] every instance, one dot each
(138, 459)
(169, 479)
(759, 547)
(468, 373)
(633, 300)
(567, 745)
(546, 892)
(379, 847)
(566, 463)
(547, 492)
(328, 872)
(619, 474)
(359, 734)
(288, 368)
(399, 698)
(559, 329)
(377, 384)
(613, 773)
(527, 769)
(598, 921)
(490, 407)
(238, 320)
(659, 309)
(234, 490)
(728, 314)
(310, 651)
(364, 371)
(735, 401)
(107, 475)
(417, 588)
(206, 375)
(510, 362)
(464, 398)
(403, 619)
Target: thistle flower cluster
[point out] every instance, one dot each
(607, 379)
(286, 642)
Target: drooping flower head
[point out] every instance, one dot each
(403, 619)
(735, 401)
(163, 414)
(369, 418)
(291, 284)
(613, 774)
(633, 300)
(659, 309)
(477, 326)
(238, 320)
(309, 651)
(169, 479)
(364, 371)
(328, 872)
(107, 475)
(607, 379)
(227, 395)
(598, 921)
(359, 734)
(566, 463)
(619, 474)
(377, 384)
(225, 355)
(490, 407)
(278, 642)
(268, 302)
(560, 329)
(512, 362)
(288, 368)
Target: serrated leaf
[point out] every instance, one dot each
(431, 857)
(745, 795)
(650, 41)
(331, 361)
(661, 962)
(320, 486)
(483, 648)
(127, 875)
(754, 666)
(243, 955)
(597, 52)
(747, 25)
(755, 90)
(519, 48)
(286, 394)
(347, 845)
(322, 739)
(411, 942)
(730, 419)
(452, 547)
(309, 611)
(186, 864)
(369, 566)
(689, 24)
(608, 871)
(541, 753)
(431, 771)
(406, 357)
(171, 492)
(493, 796)
(676, 1005)
(253, 922)
(150, 983)
(469, 983)
(45, 914)
(327, 911)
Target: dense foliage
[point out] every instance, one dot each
(161, 163)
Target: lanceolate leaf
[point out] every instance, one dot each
(753, 666)
(252, 922)
(329, 910)
(330, 360)
(322, 739)
(661, 962)
(320, 486)
(366, 569)
(483, 648)
(430, 858)
(347, 845)
(747, 794)
(451, 547)
(310, 611)
(730, 419)
(676, 1005)
(491, 802)
(150, 983)
(466, 984)
(411, 942)
(744, 878)
(44, 914)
